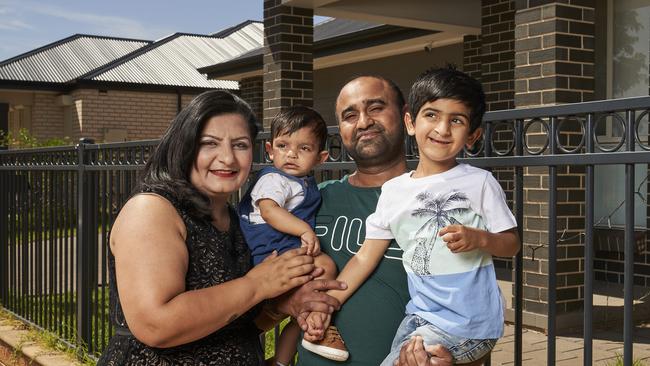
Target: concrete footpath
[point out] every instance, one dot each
(18, 348)
(607, 344)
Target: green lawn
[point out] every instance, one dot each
(63, 309)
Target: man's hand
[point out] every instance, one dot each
(414, 353)
(461, 238)
(310, 297)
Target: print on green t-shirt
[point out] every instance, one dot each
(369, 319)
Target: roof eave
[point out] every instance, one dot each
(239, 66)
(116, 85)
(33, 85)
(327, 47)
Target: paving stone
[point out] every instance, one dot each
(606, 344)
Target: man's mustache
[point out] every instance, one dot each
(371, 130)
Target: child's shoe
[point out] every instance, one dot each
(331, 346)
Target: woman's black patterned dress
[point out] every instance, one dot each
(214, 257)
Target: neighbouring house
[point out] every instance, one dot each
(113, 89)
(527, 53)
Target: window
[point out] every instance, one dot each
(19, 117)
(626, 51)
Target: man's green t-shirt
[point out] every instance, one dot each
(368, 320)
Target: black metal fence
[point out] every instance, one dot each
(57, 206)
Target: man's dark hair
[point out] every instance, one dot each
(168, 169)
(291, 119)
(448, 83)
(399, 96)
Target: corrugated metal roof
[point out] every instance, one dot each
(67, 59)
(171, 61)
(174, 60)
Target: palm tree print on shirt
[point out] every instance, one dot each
(440, 210)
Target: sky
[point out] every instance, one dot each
(29, 24)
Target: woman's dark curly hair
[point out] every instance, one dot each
(168, 169)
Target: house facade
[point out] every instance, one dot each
(527, 53)
(113, 89)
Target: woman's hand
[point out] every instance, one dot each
(278, 274)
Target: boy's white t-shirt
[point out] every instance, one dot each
(285, 192)
(456, 292)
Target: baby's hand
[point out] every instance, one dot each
(309, 240)
(461, 238)
(316, 325)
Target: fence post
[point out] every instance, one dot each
(4, 234)
(83, 284)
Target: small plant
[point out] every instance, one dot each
(618, 361)
(24, 140)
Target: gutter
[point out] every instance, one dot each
(325, 47)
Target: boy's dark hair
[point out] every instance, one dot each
(448, 83)
(291, 119)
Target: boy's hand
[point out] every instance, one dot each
(316, 324)
(309, 240)
(461, 238)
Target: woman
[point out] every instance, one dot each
(183, 291)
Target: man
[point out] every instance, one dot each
(370, 112)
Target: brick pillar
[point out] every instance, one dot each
(491, 58)
(554, 57)
(250, 90)
(288, 59)
(472, 56)
(498, 56)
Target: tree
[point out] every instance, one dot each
(440, 211)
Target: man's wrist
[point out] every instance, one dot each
(271, 310)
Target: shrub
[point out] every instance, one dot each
(23, 140)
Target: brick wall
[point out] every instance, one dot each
(554, 58)
(288, 59)
(497, 48)
(47, 116)
(555, 53)
(472, 56)
(497, 63)
(250, 90)
(138, 115)
(609, 256)
(186, 99)
(490, 58)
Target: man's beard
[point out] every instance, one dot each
(376, 151)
